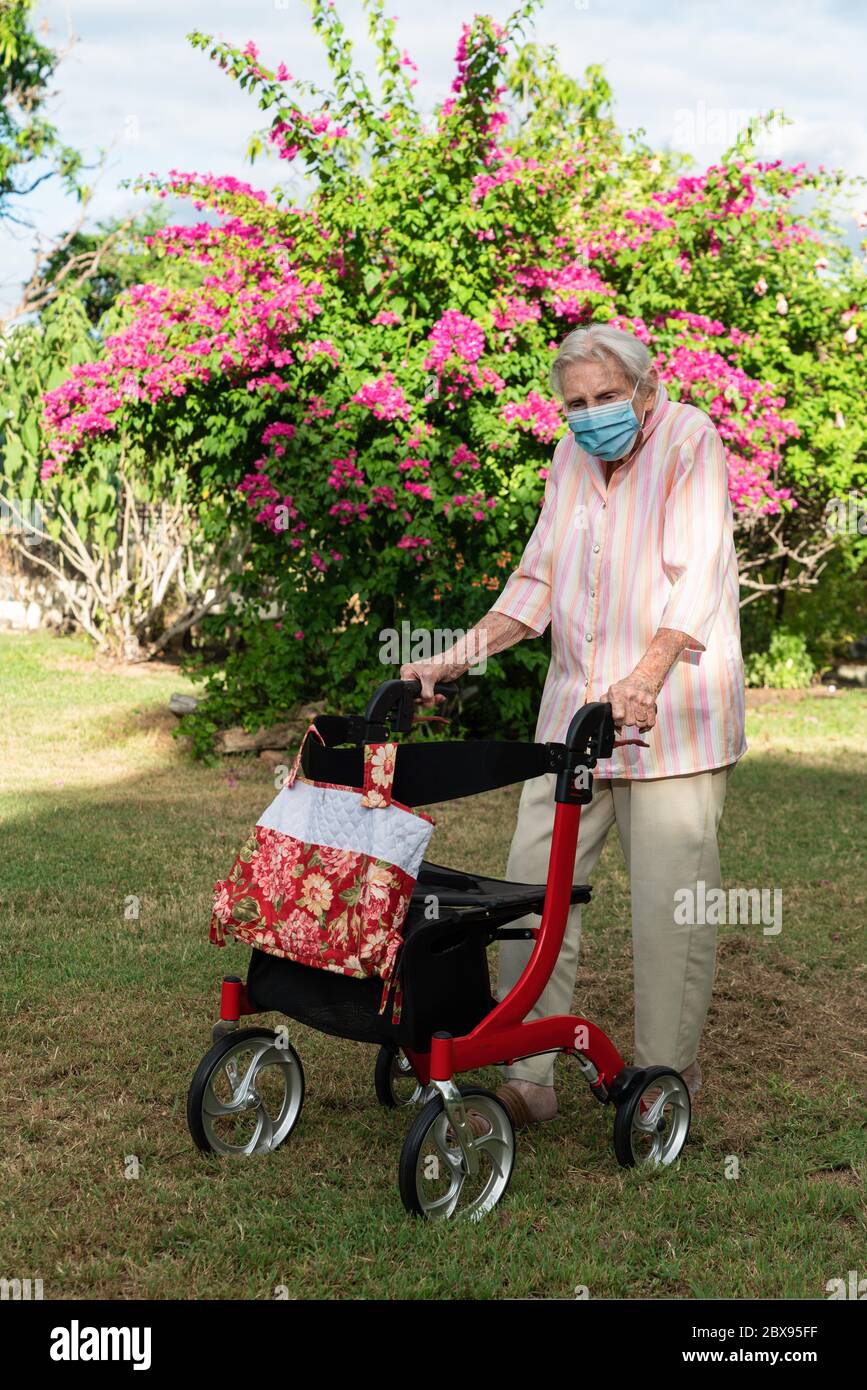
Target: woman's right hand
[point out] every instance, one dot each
(430, 673)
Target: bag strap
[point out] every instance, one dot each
(293, 771)
(379, 763)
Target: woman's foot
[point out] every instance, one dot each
(526, 1102)
(531, 1105)
(692, 1077)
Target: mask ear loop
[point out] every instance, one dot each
(649, 407)
(632, 398)
(646, 408)
(641, 422)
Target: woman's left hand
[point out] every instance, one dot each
(633, 701)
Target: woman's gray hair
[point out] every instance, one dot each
(598, 343)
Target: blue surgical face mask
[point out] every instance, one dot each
(606, 431)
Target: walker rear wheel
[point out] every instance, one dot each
(651, 1126)
(434, 1179)
(246, 1095)
(395, 1081)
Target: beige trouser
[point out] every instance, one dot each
(668, 833)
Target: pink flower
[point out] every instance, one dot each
(272, 864)
(338, 862)
(516, 311)
(420, 490)
(384, 495)
(344, 472)
(454, 335)
(541, 416)
(463, 455)
(747, 415)
(458, 343)
(279, 428)
(300, 934)
(383, 397)
(222, 908)
(322, 347)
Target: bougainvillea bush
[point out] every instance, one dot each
(361, 373)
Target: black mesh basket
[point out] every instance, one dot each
(443, 968)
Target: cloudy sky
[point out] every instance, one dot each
(688, 73)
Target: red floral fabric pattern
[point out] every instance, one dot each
(330, 908)
(379, 759)
(336, 909)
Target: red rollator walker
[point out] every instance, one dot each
(247, 1094)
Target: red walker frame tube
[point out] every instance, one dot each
(502, 1036)
(233, 1000)
(549, 939)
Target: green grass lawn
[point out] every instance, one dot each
(105, 1019)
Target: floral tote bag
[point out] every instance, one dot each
(326, 875)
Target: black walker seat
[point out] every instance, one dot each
(453, 915)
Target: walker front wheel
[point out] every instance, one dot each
(246, 1095)
(434, 1179)
(651, 1126)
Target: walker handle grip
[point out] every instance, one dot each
(446, 688)
(396, 699)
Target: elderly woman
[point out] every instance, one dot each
(632, 562)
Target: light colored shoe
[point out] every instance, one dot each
(514, 1099)
(692, 1077)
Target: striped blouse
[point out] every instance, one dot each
(608, 567)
